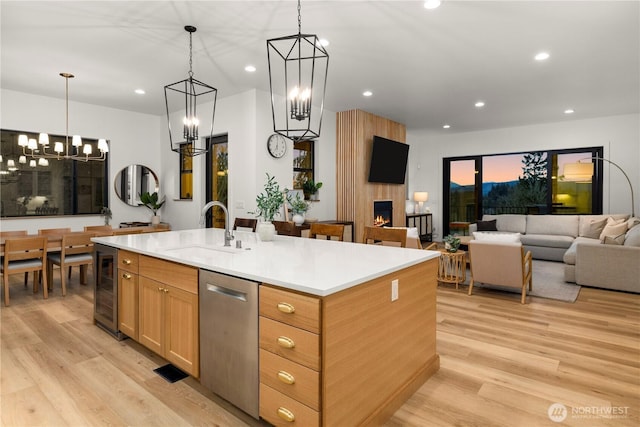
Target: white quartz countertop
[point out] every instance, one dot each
(317, 267)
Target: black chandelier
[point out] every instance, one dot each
(189, 95)
(298, 66)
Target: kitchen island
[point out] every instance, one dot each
(347, 331)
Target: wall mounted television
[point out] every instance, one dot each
(388, 161)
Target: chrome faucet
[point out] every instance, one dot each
(228, 237)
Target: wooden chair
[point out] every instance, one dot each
(384, 235)
(501, 263)
(126, 230)
(285, 228)
(327, 230)
(77, 250)
(22, 255)
(16, 233)
(100, 230)
(57, 231)
(251, 223)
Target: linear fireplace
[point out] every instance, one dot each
(383, 213)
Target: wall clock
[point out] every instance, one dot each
(277, 145)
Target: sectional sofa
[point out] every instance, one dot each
(597, 250)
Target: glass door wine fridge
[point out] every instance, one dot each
(105, 299)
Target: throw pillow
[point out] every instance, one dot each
(633, 237)
(497, 237)
(617, 240)
(632, 222)
(614, 227)
(487, 225)
(595, 227)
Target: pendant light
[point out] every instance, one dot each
(298, 66)
(197, 101)
(76, 151)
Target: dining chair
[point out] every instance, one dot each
(327, 230)
(251, 223)
(22, 255)
(126, 230)
(101, 230)
(385, 235)
(16, 233)
(76, 250)
(54, 231)
(285, 228)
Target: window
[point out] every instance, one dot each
(303, 163)
(186, 173)
(217, 175)
(62, 187)
(519, 183)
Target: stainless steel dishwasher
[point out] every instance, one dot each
(229, 339)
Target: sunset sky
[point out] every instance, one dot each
(502, 168)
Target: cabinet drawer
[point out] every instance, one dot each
(290, 378)
(304, 345)
(290, 308)
(171, 273)
(274, 405)
(128, 261)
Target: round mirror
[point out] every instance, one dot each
(134, 180)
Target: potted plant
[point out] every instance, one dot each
(310, 189)
(298, 207)
(451, 243)
(152, 202)
(268, 205)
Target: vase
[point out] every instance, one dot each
(313, 196)
(155, 219)
(266, 231)
(298, 219)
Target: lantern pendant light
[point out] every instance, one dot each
(189, 105)
(298, 66)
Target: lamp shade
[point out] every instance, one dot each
(578, 172)
(420, 196)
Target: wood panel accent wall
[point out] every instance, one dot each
(355, 196)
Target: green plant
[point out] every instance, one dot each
(452, 243)
(309, 187)
(151, 201)
(269, 201)
(298, 205)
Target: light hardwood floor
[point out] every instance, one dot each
(502, 364)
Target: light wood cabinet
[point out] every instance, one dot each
(158, 307)
(128, 293)
(289, 357)
(350, 358)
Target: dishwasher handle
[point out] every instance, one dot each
(221, 290)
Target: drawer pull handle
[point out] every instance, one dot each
(286, 342)
(126, 261)
(126, 276)
(286, 377)
(286, 414)
(285, 307)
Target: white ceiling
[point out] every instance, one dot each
(425, 68)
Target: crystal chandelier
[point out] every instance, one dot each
(41, 148)
(189, 95)
(298, 66)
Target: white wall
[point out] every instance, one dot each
(619, 135)
(143, 139)
(133, 138)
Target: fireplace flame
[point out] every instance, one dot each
(380, 221)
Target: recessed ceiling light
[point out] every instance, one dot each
(250, 69)
(446, 126)
(479, 104)
(569, 111)
(541, 56)
(140, 91)
(431, 4)
(367, 93)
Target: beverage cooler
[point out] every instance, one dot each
(105, 298)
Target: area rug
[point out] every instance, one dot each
(548, 282)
